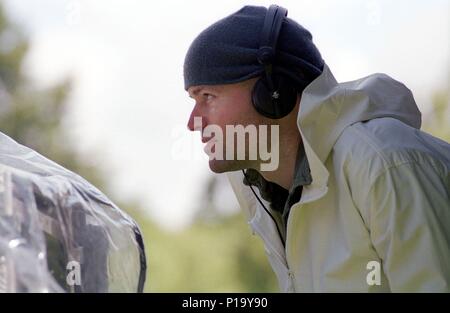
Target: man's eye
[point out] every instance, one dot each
(208, 96)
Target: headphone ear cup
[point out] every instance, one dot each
(288, 96)
(261, 98)
(274, 108)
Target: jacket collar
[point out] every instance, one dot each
(315, 121)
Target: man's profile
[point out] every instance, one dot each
(356, 187)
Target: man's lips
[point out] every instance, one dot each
(209, 143)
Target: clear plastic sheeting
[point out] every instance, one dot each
(58, 233)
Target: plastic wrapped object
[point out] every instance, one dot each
(58, 233)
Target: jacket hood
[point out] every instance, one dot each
(328, 107)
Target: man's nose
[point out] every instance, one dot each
(195, 120)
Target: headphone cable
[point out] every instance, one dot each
(265, 209)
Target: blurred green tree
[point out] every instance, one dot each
(31, 116)
(206, 257)
(438, 122)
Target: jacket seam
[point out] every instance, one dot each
(388, 168)
(369, 141)
(387, 165)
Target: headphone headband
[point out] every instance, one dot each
(272, 96)
(270, 32)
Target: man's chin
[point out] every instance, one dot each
(223, 166)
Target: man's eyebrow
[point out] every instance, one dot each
(196, 91)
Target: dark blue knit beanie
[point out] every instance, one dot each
(226, 52)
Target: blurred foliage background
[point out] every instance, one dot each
(216, 253)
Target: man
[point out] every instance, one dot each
(360, 197)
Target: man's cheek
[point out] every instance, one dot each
(269, 149)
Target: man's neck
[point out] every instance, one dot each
(284, 174)
(290, 140)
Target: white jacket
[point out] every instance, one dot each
(380, 192)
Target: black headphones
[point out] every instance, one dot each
(273, 96)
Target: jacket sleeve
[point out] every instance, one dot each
(409, 207)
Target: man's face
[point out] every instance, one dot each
(223, 105)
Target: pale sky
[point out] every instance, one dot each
(129, 108)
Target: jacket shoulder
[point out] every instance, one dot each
(376, 145)
(386, 154)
